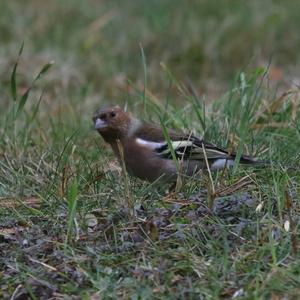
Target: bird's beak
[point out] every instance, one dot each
(100, 124)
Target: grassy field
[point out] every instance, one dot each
(71, 226)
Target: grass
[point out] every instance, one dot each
(65, 228)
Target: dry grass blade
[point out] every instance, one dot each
(236, 186)
(100, 22)
(32, 202)
(13, 296)
(129, 201)
(263, 117)
(270, 125)
(42, 264)
(177, 201)
(211, 186)
(66, 175)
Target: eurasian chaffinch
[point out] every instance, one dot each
(147, 153)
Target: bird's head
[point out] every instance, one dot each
(111, 122)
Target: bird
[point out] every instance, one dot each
(152, 154)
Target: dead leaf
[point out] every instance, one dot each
(176, 279)
(8, 232)
(275, 297)
(159, 289)
(113, 167)
(91, 220)
(275, 74)
(153, 231)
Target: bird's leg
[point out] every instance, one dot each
(172, 188)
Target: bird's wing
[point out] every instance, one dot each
(192, 148)
(186, 147)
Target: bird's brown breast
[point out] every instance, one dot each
(145, 164)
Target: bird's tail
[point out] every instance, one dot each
(220, 163)
(248, 160)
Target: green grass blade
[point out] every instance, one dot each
(25, 96)
(36, 108)
(13, 84)
(44, 70)
(169, 141)
(22, 102)
(145, 78)
(72, 205)
(13, 80)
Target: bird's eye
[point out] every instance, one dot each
(112, 114)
